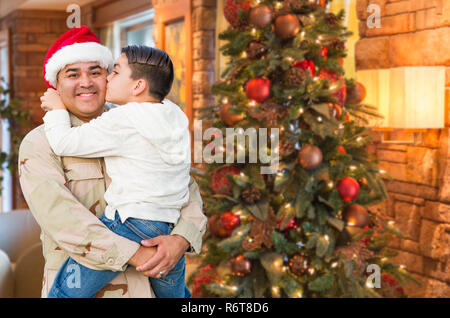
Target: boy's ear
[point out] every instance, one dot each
(140, 87)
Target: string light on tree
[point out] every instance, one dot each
(276, 291)
(298, 294)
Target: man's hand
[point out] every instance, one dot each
(51, 100)
(170, 249)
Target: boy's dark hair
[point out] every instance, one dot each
(153, 65)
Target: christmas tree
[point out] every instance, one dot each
(305, 230)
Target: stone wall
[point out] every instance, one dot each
(414, 33)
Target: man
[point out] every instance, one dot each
(66, 194)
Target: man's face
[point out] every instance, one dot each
(82, 87)
(120, 84)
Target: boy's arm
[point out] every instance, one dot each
(101, 137)
(61, 216)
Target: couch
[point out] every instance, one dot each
(21, 260)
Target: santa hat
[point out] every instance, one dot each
(74, 46)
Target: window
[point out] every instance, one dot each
(6, 184)
(133, 30)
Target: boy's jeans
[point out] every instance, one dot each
(91, 281)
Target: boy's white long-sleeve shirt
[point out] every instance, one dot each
(147, 155)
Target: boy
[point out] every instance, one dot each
(146, 145)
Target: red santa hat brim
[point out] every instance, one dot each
(76, 53)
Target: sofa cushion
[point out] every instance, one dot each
(18, 231)
(6, 276)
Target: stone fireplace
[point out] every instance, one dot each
(414, 33)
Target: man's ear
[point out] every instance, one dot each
(140, 87)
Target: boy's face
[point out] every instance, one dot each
(82, 89)
(119, 88)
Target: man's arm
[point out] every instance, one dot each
(192, 223)
(61, 216)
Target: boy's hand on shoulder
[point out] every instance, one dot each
(51, 100)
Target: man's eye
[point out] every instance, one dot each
(96, 73)
(73, 75)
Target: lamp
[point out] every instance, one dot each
(410, 98)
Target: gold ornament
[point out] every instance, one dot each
(261, 16)
(287, 26)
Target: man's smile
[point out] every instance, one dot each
(86, 94)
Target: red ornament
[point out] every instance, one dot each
(219, 181)
(324, 53)
(347, 118)
(305, 65)
(205, 275)
(258, 89)
(333, 77)
(231, 11)
(348, 189)
(342, 150)
(230, 221)
(216, 227)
